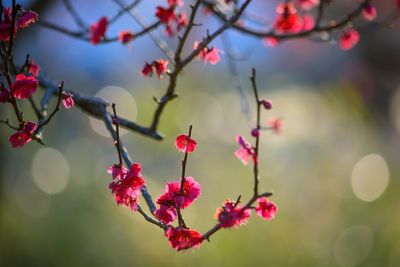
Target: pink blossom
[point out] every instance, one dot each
(24, 86)
(185, 144)
(369, 12)
(117, 171)
(125, 37)
(26, 19)
(231, 215)
(245, 151)
(288, 20)
(173, 197)
(209, 54)
(308, 23)
(98, 30)
(68, 101)
(33, 68)
(348, 39)
(160, 67)
(165, 15)
(181, 21)
(175, 3)
(266, 209)
(166, 214)
(181, 238)
(276, 125)
(271, 41)
(307, 4)
(23, 136)
(126, 190)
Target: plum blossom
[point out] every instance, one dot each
(231, 215)
(159, 67)
(185, 144)
(68, 101)
(181, 238)
(276, 125)
(98, 30)
(245, 151)
(23, 136)
(166, 214)
(209, 54)
(125, 37)
(348, 39)
(24, 86)
(369, 12)
(266, 209)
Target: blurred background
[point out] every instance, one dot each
(334, 170)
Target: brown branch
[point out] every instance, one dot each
(57, 108)
(333, 25)
(256, 194)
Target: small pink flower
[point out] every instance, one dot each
(166, 214)
(181, 21)
(231, 215)
(23, 136)
(33, 68)
(68, 101)
(267, 104)
(26, 19)
(349, 39)
(165, 15)
(266, 209)
(185, 144)
(308, 23)
(288, 20)
(98, 30)
(271, 41)
(245, 151)
(147, 70)
(173, 197)
(24, 86)
(369, 12)
(126, 190)
(175, 3)
(209, 54)
(125, 37)
(276, 125)
(182, 238)
(117, 171)
(160, 67)
(307, 4)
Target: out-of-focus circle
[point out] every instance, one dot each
(50, 170)
(353, 245)
(370, 177)
(125, 105)
(29, 198)
(394, 256)
(201, 110)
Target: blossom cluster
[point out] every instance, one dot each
(170, 17)
(26, 83)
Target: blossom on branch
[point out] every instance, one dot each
(98, 30)
(127, 189)
(348, 39)
(33, 68)
(125, 37)
(245, 151)
(175, 197)
(160, 67)
(369, 12)
(209, 54)
(185, 144)
(23, 136)
(166, 214)
(68, 101)
(181, 238)
(231, 215)
(24, 86)
(266, 209)
(307, 4)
